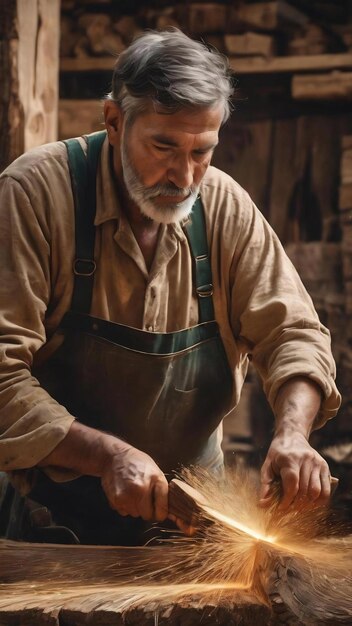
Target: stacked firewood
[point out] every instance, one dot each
(255, 29)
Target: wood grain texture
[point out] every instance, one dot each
(80, 117)
(55, 585)
(334, 86)
(38, 66)
(29, 52)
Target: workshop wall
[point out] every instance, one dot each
(289, 142)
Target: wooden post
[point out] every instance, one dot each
(29, 66)
(11, 112)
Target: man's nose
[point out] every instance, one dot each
(181, 173)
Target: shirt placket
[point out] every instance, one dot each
(167, 248)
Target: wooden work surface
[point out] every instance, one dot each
(51, 585)
(34, 580)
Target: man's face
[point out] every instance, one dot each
(164, 158)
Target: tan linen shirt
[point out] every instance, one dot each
(262, 308)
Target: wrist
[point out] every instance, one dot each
(106, 448)
(289, 430)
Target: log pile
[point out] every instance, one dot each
(258, 29)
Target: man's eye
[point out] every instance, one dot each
(162, 148)
(204, 150)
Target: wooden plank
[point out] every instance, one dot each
(305, 175)
(205, 17)
(291, 63)
(245, 155)
(270, 15)
(346, 142)
(109, 586)
(86, 64)
(80, 117)
(333, 86)
(346, 227)
(38, 65)
(346, 167)
(325, 152)
(345, 197)
(284, 176)
(250, 44)
(241, 66)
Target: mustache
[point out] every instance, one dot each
(168, 190)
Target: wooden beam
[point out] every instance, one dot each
(87, 64)
(38, 68)
(240, 66)
(333, 86)
(292, 64)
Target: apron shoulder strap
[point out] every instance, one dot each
(196, 233)
(83, 172)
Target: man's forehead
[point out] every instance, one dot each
(195, 121)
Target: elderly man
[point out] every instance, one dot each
(136, 283)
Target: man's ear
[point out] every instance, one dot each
(113, 116)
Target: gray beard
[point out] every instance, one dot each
(144, 196)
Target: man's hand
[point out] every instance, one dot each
(303, 473)
(132, 481)
(134, 485)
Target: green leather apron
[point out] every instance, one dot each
(164, 393)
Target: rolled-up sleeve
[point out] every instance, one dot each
(277, 319)
(31, 422)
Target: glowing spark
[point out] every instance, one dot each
(236, 525)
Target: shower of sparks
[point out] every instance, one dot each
(235, 525)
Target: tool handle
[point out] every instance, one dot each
(185, 502)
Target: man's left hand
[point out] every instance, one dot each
(304, 474)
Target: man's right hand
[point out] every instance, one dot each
(134, 485)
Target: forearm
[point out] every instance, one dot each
(304, 474)
(133, 483)
(297, 405)
(84, 450)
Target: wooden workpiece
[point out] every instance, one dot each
(33, 579)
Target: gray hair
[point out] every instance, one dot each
(174, 72)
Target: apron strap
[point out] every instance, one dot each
(196, 234)
(83, 171)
